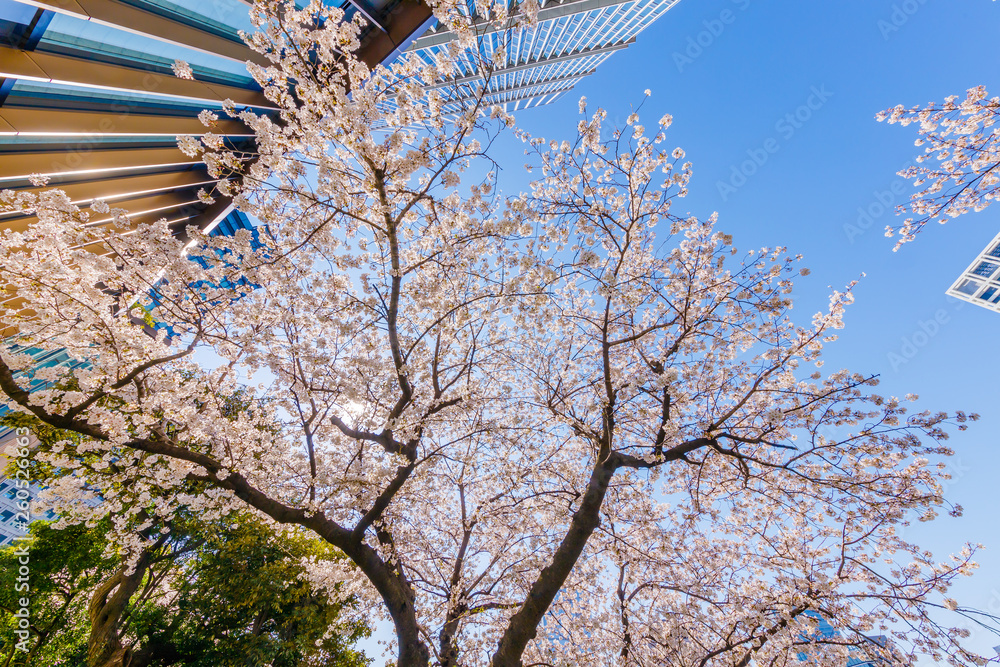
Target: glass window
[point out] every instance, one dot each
(55, 96)
(16, 12)
(985, 269)
(990, 291)
(226, 15)
(77, 34)
(6, 515)
(968, 287)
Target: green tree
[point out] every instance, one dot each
(240, 601)
(64, 566)
(226, 592)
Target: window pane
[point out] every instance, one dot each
(968, 287)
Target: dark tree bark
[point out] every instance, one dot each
(107, 605)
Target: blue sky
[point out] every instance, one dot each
(854, 58)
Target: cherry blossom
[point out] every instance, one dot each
(182, 70)
(566, 426)
(965, 145)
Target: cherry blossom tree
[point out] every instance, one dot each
(965, 145)
(563, 427)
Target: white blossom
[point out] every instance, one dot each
(182, 70)
(560, 426)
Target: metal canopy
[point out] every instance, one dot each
(103, 122)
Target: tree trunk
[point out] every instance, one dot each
(109, 601)
(524, 624)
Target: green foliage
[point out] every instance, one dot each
(235, 600)
(216, 594)
(63, 566)
(245, 578)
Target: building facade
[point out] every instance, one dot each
(825, 632)
(13, 523)
(571, 39)
(980, 282)
(89, 98)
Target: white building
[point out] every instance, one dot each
(980, 283)
(543, 62)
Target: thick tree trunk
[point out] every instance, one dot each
(390, 582)
(398, 597)
(449, 648)
(104, 646)
(523, 625)
(109, 601)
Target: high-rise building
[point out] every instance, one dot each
(980, 283)
(13, 519)
(571, 39)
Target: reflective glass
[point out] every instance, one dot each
(231, 15)
(68, 31)
(968, 287)
(984, 269)
(54, 92)
(15, 12)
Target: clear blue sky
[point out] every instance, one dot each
(729, 98)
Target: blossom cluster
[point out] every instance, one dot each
(564, 426)
(962, 138)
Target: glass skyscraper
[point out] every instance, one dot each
(570, 41)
